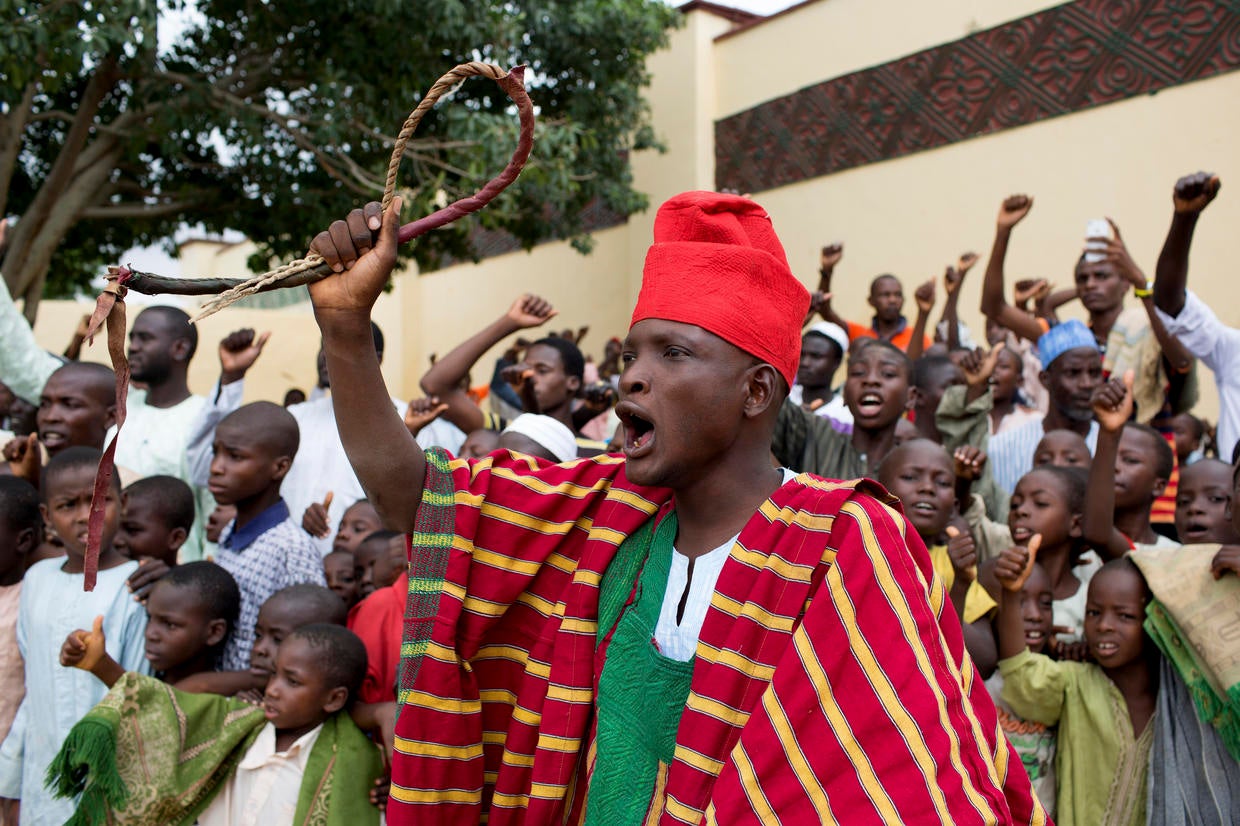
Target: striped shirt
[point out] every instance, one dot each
(830, 682)
(1011, 452)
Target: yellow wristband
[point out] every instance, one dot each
(1144, 293)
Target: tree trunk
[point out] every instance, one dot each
(45, 230)
(12, 127)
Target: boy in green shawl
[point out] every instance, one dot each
(149, 754)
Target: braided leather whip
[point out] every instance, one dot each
(110, 306)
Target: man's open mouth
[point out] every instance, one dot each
(638, 430)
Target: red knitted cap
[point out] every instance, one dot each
(717, 263)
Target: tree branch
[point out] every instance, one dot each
(135, 210)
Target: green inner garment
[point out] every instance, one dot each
(641, 692)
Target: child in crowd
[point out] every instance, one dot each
(156, 516)
(932, 375)
(284, 611)
(1188, 431)
(1050, 502)
(921, 475)
(1204, 504)
(1062, 448)
(1104, 708)
(190, 613)
(878, 393)
(379, 621)
(1132, 463)
(540, 436)
(297, 759)
(338, 568)
(372, 549)
(480, 443)
(1034, 741)
(262, 547)
(53, 603)
(21, 525)
(358, 521)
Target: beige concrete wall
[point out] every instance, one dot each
(909, 216)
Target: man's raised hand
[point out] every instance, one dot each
(966, 262)
(422, 412)
(1013, 209)
(1117, 255)
(238, 352)
(924, 296)
(1112, 403)
(1193, 193)
(531, 311)
(362, 250)
(832, 254)
(1028, 289)
(979, 365)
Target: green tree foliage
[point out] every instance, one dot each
(275, 117)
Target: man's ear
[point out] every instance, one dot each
(179, 349)
(336, 698)
(1160, 485)
(281, 466)
(27, 540)
(217, 629)
(1074, 527)
(1044, 377)
(109, 417)
(911, 401)
(762, 387)
(176, 538)
(573, 384)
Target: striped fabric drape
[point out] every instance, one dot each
(830, 684)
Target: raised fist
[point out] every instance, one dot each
(1194, 192)
(924, 296)
(1112, 403)
(1013, 209)
(832, 254)
(531, 311)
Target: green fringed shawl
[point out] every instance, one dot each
(149, 754)
(1195, 621)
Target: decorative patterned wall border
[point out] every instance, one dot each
(1065, 59)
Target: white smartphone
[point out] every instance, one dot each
(1097, 228)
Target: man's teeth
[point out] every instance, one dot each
(924, 506)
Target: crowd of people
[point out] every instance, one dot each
(647, 582)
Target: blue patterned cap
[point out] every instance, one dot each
(1070, 335)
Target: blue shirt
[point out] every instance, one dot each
(266, 554)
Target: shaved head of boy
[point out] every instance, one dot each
(156, 515)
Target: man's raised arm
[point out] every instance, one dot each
(388, 462)
(1192, 194)
(443, 380)
(994, 304)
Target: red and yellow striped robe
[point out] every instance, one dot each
(830, 685)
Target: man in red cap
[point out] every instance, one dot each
(684, 634)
